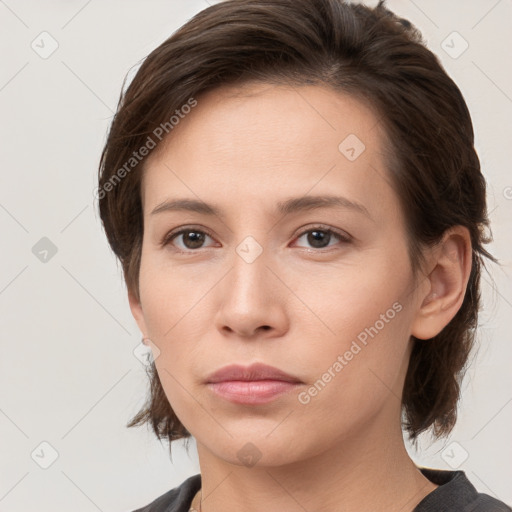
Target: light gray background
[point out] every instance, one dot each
(68, 374)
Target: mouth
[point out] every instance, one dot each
(251, 385)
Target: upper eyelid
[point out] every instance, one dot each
(179, 231)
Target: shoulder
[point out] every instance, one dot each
(456, 493)
(177, 499)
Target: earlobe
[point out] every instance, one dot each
(137, 312)
(451, 267)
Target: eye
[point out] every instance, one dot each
(190, 239)
(320, 237)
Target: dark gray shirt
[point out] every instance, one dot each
(454, 494)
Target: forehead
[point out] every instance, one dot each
(261, 141)
(226, 119)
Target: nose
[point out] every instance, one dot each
(252, 301)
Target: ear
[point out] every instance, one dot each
(138, 313)
(451, 262)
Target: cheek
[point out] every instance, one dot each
(360, 357)
(170, 296)
(366, 356)
(352, 302)
(352, 383)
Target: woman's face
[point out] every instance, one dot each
(322, 290)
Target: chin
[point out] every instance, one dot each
(258, 449)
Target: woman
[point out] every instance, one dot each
(292, 189)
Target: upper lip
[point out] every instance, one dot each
(256, 371)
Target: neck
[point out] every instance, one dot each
(363, 472)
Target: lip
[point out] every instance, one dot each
(251, 385)
(254, 372)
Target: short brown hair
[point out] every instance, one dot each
(368, 53)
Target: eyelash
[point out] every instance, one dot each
(168, 238)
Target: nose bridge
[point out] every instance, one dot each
(249, 300)
(249, 275)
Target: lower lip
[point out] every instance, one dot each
(253, 392)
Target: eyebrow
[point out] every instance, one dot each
(292, 205)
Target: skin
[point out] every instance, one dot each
(297, 306)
